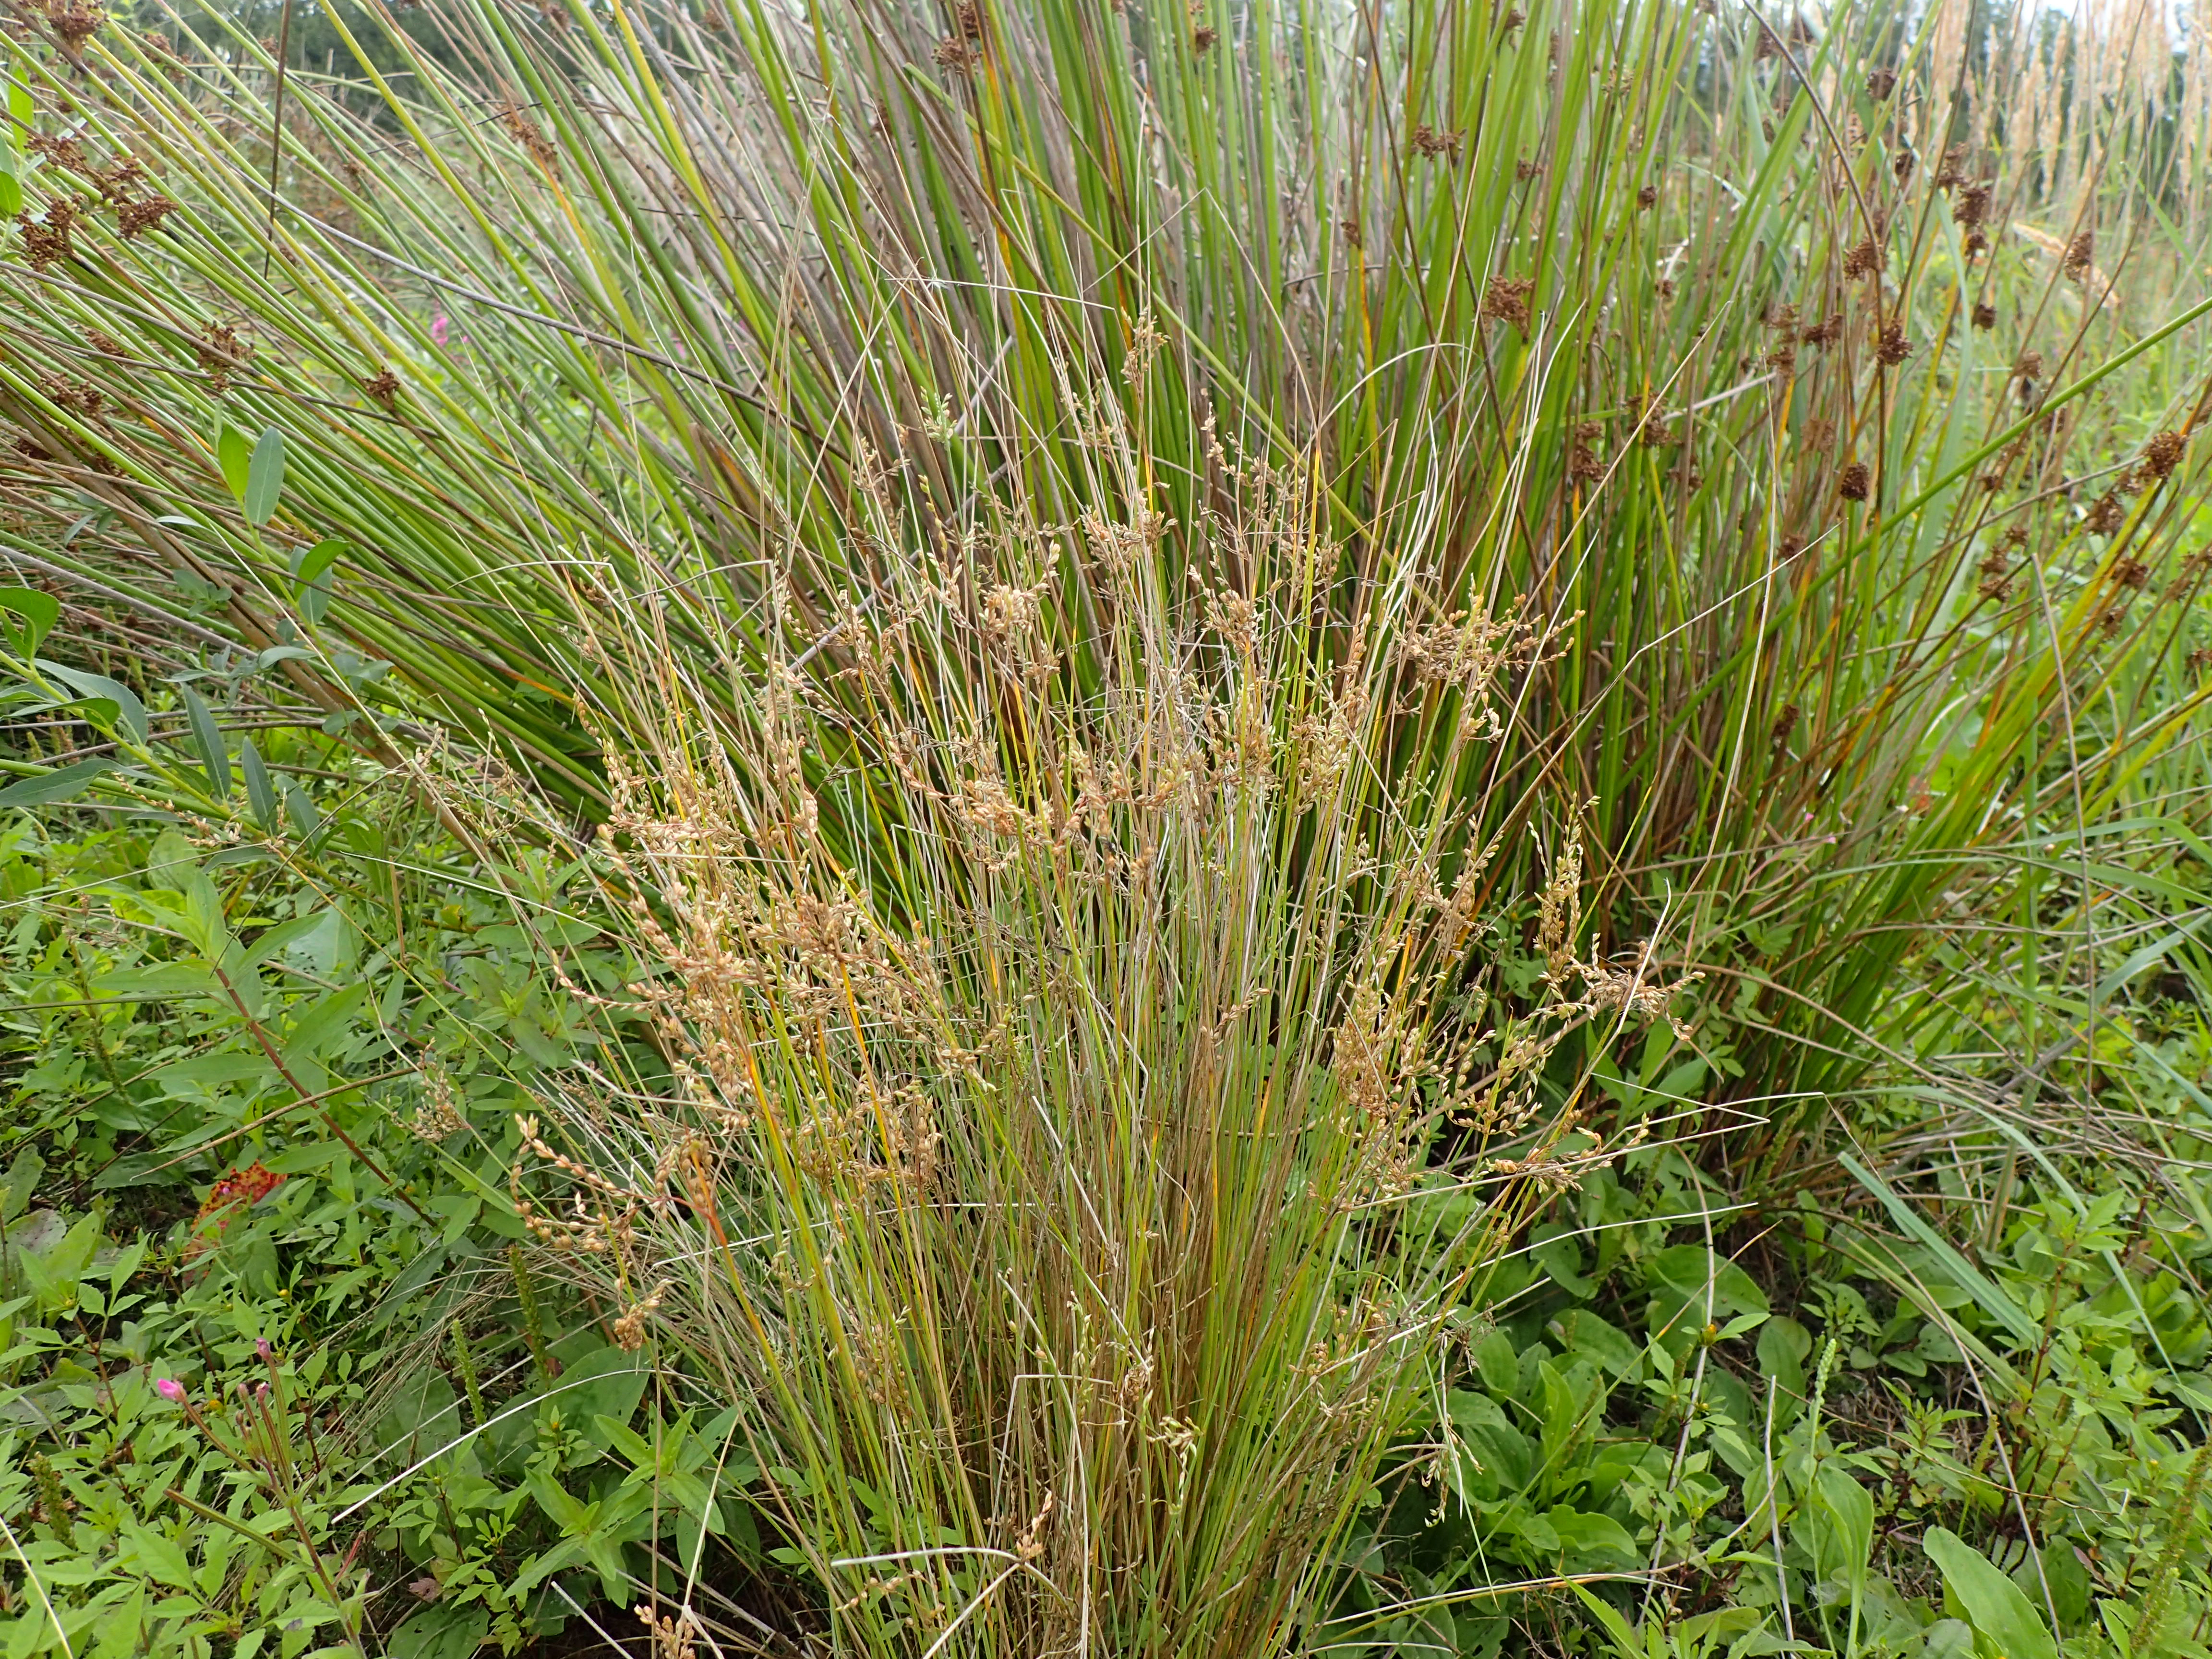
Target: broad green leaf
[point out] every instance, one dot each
(235, 456)
(1836, 1527)
(38, 613)
(207, 737)
(265, 477)
(1599, 1539)
(260, 791)
(315, 578)
(22, 1181)
(64, 783)
(160, 1559)
(131, 714)
(301, 807)
(2004, 1619)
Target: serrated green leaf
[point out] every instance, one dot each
(207, 737)
(64, 783)
(260, 791)
(265, 477)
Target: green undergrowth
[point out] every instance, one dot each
(273, 1374)
(1935, 1407)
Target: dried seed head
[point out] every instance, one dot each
(1901, 165)
(2080, 253)
(1525, 171)
(2105, 514)
(78, 397)
(1784, 724)
(1891, 348)
(46, 242)
(1428, 141)
(1505, 299)
(2163, 453)
(1855, 482)
(1952, 170)
(1863, 260)
(1204, 38)
(1971, 206)
(1825, 334)
(383, 386)
(1647, 196)
(1880, 83)
(2130, 574)
(1984, 314)
(133, 218)
(75, 22)
(2029, 366)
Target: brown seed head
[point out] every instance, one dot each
(1891, 348)
(1985, 315)
(2163, 453)
(2106, 515)
(2079, 253)
(1648, 196)
(1505, 299)
(1203, 38)
(133, 218)
(1430, 143)
(1855, 482)
(1880, 83)
(1864, 260)
(46, 242)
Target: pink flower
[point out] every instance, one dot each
(438, 330)
(170, 1389)
(261, 1347)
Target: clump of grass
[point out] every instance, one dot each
(1090, 1132)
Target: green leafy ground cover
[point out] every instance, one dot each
(375, 1440)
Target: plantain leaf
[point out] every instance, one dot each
(265, 477)
(207, 736)
(1992, 1603)
(260, 793)
(65, 783)
(235, 456)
